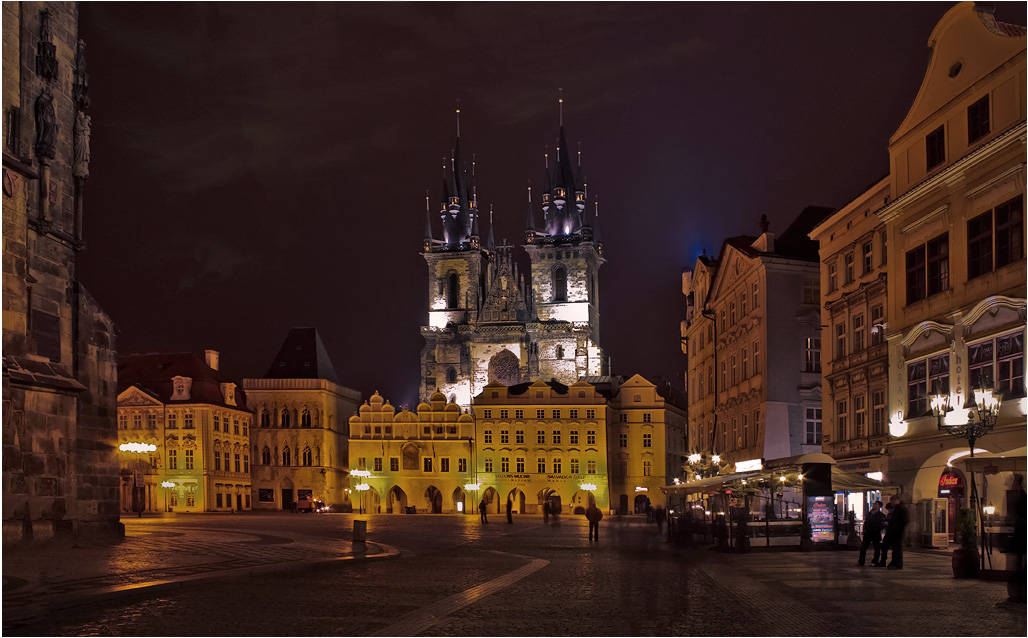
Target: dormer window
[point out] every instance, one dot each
(180, 388)
(228, 391)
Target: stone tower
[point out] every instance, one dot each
(486, 321)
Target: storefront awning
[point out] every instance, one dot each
(812, 457)
(993, 463)
(843, 481)
(712, 484)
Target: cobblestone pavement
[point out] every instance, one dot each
(456, 577)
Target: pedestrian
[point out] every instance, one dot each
(546, 512)
(649, 512)
(1016, 504)
(510, 511)
(481, 511)
(660, 516)
(898, 525)
(594, 516)
(887, 540)
(872, 533)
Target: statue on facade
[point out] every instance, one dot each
(46, 125)
(80, 90)
(83, 126)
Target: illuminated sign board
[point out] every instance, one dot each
(753, 465)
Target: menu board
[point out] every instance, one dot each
(821, 515)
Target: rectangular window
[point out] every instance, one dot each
(488, 465)
(540, 414)
(487, 436)
(623, 418)
(172, 420)
(813, 426)
(239, 466)
(865, 250)
(647, 417)
(925, 377)
(462, 465)
(849, 267)
(137, 421)
(647, 468)
(735, 369)
(938, 264)
(427, 464)
(590, 437)
(859, 417)
(217, 462)
(187, 421)
(743, 305)
(218, 499)
(917, 283)
(504, 413)
(978, 120)
(540, 437)
(833, 277)
(754, 297)
(756, 357)
(556, 414)
(1009, 236)
(935, 148)
(505, 464)
(246, 463)
(622, 467)
(842, 418)
(573, 413)
(810, 291)
(519, 414)
(556, 466)
(877, 413)
(519, 436)
(217, 423)
(228, 467)
(444, 464)
(556, 437)
(519, 465)
(731, 313)
(151, 421)
(574, 466)
(378, 464)
(812, 357)
(1010, 364)
(840, 340)
(745, 363)
(172, 460)
(235, 426)
(858, 333)
(877, 324)
(979, 245)
(487, 413)
(541, 465)
(745, 430)
(394, 464)
(724, 375)
(504, 436)
(590, 414)
(573, 437)
(189, 459)
(591, 467)
(647, 440)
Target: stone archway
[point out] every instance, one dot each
(460, 503)
(581, 500)
(396, 500)
(505, 368)
(492, 500)
(549, 495)
(434, 500)
(518, 497)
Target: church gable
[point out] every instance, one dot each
(505, 299)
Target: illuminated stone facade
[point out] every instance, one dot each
(487, 321)
(200, 424)
(301, 414)
(420, 460)
(60, 471)
(752, 315)
(854, 355)
(956, 263)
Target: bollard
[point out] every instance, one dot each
(360, 531)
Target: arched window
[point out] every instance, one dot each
(452, 291)
(305, 418)
(265, 419)
(559, 352)
(266, 456)
(451, 375)
(317, 456)
(285, 457)
(285, 418)
(308, 458)
(560, 284)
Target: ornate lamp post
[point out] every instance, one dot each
(167, 485)
(981, 419)
(139, 486)
(361, 487)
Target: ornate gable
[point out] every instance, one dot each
(136, 397)
(504, 300)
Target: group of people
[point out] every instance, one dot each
(893, 521)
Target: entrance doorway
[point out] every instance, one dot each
(435, 499)
(953, 488)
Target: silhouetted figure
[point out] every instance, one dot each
(898, 525)
(1016, 504)
(872, 533)
(887, 540)
(546, 512)
(594, 516)
(481, 511)
(510, 511)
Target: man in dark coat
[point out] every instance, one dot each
(872, 533)
(594, 515)
(510, 511)
(481, 511)
(897, 527)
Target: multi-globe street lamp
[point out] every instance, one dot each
(361, 487)
(139, 481)
(167, 485)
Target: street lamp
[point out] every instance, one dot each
(981, 419)
(139, 488)
(471, 487)
(167, 485)
(361, 487)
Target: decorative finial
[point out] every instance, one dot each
(546, 155)
(529, 192)
(560, 100)
(458, 117)
(579, 155)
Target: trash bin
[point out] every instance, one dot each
(360, 531)
(410, 510)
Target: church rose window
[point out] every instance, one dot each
(505, 368)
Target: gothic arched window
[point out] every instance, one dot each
(285, 418)
(265, 419)
(452, 291)
(559, 352)
(305, 418)
(307, 457)
(451, 375)
(560, 284)
(266, 456)
(285, 457)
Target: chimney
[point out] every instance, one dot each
(211, 357)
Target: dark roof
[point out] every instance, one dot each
(795, 242)
(153, 373)
(521, 388)
(743, 243)
(302, 356)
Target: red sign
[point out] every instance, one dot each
(949, 480)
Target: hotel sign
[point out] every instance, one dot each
(753, 465)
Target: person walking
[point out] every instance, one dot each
(481, 511)
(900, 520)
(872, 533)
(594, 516)
(1016, 505)
(887, 540)
(546, 512)
(510, 511)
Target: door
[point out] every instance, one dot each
(287, 498)
(239, 502)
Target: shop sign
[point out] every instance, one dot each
(949, 480)
(753, 465)
(821, 515)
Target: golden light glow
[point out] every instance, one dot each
(138, 448)
(589, 487)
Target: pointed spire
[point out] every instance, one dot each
(597, 239)
(530, 218)
(490, 243)
(560, 101)
(428, 221)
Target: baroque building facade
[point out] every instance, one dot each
(487, 320)
(301, 412)
(59, 364)
(752, 342)
(199, 423)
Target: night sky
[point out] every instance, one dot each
(256, 167)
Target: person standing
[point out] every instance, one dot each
(510, 511)
(546, 512)
(898, 525)
(887, 540)
(872, 533)
(481, 511)
(594, 516)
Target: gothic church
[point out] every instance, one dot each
(487, 321)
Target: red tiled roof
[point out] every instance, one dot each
(154, 372)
